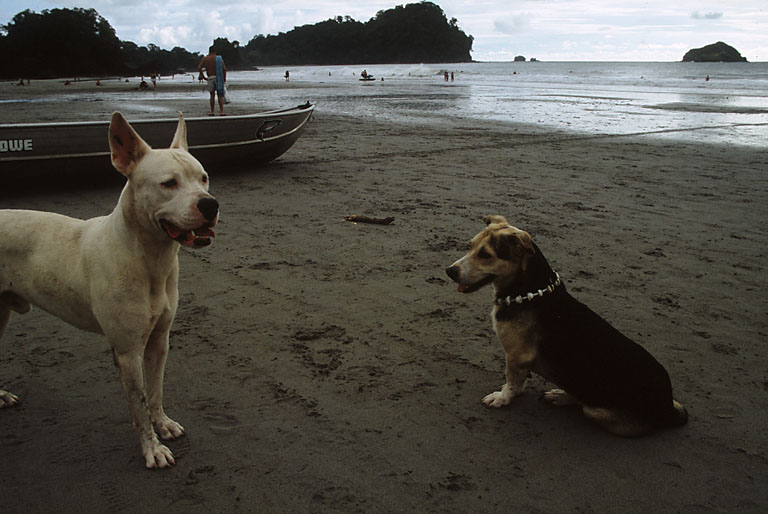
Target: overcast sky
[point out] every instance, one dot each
(551, 30)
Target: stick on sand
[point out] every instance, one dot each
(365, 219)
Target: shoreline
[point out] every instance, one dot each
(73, 103)
(324, 366)
(51, 101)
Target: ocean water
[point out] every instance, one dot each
(671, 100)
(664, 100)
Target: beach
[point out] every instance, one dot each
(319, 365)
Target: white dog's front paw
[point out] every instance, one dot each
(559, 398)
(499, 398)
(7, 399)
(158, 456)
(166, 428)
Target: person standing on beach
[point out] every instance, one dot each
(217, 77)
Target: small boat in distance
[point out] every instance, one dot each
(366, 77)
(76, 147)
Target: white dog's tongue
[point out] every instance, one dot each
(186, 238)
(189, 237)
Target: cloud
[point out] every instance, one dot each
(696, 15)
(165, 37)
(501, 28)
(513, 24)
(196, 28)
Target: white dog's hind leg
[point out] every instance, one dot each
(155, 356)
(132, 376)
(6, 399)
(9, 302)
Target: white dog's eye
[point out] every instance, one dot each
(170, 183)
(205, 179)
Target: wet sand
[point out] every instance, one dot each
(323, 366)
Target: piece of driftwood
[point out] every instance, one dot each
(365, 219)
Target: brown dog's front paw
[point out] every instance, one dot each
(500, 398)
(560, 398)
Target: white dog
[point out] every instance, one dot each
(117, 274)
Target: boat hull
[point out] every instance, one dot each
(74, 147)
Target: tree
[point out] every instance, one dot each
(413, 33)
(230, 52)
(60, 42)
(79, 42)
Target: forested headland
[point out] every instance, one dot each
(79, 42)
(413, 33)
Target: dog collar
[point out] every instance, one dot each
(509, 300)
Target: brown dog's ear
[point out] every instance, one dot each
(525, 240)
(125, 144)
(180, 137)
(508, 245)
(493, 219)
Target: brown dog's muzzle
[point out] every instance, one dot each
(454, 272)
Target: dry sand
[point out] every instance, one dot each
(324, 366)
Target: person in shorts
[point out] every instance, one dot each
(207, 70)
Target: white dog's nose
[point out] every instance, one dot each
(209, 207)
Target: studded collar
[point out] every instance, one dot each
(509, 300)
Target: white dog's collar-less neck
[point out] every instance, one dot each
(509, 300)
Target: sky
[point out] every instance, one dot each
(548, 30)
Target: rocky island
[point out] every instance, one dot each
(717, 52)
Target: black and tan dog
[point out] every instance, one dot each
(544, 329)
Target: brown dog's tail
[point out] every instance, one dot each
(678, 416)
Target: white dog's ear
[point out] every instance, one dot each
(180, 137)
(125, 144)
